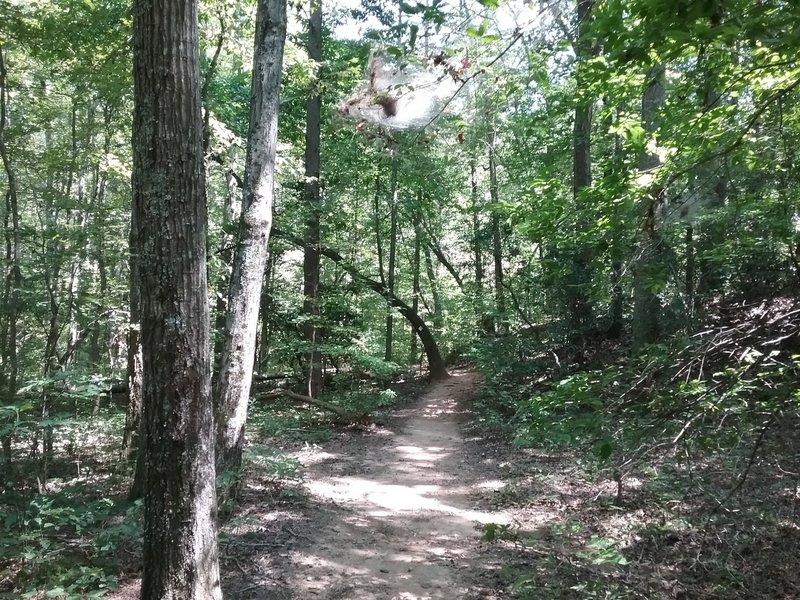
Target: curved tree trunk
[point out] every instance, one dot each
(169, 207)
(238, 352)
(436, 364)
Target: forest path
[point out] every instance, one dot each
(401, 509)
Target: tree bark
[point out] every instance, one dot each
(311, 262)
(647, 264)
(497, 239)
(238, 353)
(577, 286)
(390, 275)
(169, 205)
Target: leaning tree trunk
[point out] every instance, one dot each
(238, 353)
(169, 205)
(436, 364)
(313, 357)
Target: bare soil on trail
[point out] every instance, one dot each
(392, 514)
(428, 506)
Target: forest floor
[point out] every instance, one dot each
(427, 506)
(392, 513)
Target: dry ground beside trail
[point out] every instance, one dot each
(393, 514)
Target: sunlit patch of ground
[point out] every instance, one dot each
(394, 515)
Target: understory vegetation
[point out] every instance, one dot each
(595, 204)
(670, 473)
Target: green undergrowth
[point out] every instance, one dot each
(285, 419)
(60, 545)
(679, 451)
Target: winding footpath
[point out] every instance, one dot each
(407, 520)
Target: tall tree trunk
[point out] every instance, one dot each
(131, 438)
(497, 239)
(577, 285)
(647, 263)
(313, 357)
(264, 347)
(13, 275)
(390, 275)
(180, 547)
(415, 291)
(484, 322)
(238, 353)
(231, 215)
(437, 315)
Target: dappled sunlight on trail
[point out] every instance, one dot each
(408, 516)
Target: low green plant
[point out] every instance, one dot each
(64, 548)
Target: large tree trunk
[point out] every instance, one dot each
(238, 353)
(647, 263)
(577, 288)
(169, 206)
(313, 357)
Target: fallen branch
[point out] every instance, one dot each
(337, 410)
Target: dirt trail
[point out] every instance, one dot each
(391, 514)
(406, 508)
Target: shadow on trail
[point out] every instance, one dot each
(393, 515)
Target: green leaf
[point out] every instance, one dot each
(411, 10)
